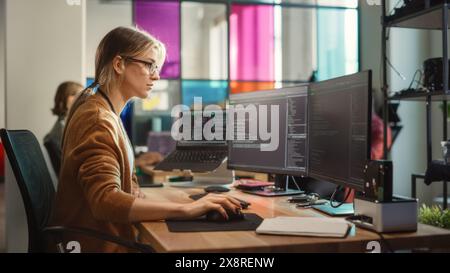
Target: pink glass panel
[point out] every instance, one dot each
(252, 43)
(162, 20)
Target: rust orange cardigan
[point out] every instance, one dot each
(95, 182)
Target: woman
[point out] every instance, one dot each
(64, 98)
(97, 187)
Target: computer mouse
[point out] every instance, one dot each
(216, 189)
(215, 216)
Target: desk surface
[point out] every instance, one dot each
(160, 176)
(158, 235)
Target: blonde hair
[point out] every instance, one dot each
(121, 41)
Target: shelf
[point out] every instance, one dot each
(421, 96)
(430, 18)
(440, 200)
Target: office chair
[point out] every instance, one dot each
(37, 191)
(2, 163)
(54, 153)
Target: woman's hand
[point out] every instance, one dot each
(219, 202)
(136, 191)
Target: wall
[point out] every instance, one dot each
(2, 63)
(2, 111)
(45, 46)
(101, 17)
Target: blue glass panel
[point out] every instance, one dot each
(211, 92)
(337, 42)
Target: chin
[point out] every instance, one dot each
(143, 94)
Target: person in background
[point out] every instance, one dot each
(97, 186)
(376, 149)
(66, 94)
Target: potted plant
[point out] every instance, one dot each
(434, 216)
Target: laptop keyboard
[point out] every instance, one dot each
(207, 156)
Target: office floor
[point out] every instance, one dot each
(2, 217)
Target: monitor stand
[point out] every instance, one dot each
(344, 209)
(281, 188)
(219, 177)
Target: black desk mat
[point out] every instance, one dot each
(251, 222)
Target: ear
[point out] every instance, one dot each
(118, 65)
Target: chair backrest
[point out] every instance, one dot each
(34, 181)
(2, 162)
(54, 153)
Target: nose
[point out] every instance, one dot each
(155, 76)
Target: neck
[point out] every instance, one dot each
(117, 99)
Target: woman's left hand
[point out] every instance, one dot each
(136, 192)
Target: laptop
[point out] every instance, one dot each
(161, 142)
(197, 155)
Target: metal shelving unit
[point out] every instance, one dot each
(420, 96)
(431, 17)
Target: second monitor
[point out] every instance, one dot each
(339, 129)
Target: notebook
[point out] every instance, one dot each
(305, 226)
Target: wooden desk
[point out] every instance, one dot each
(158, 235)
(160, 176)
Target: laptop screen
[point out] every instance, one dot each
(207, 128)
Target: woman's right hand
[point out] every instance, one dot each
(212, 201)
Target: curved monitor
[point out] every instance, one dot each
(339, 114)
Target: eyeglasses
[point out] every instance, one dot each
(151, 66)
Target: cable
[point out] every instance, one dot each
(295, 182)
(334, 194)
(414, 78)
(388, 62)
(395, 70)
(383, 240)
